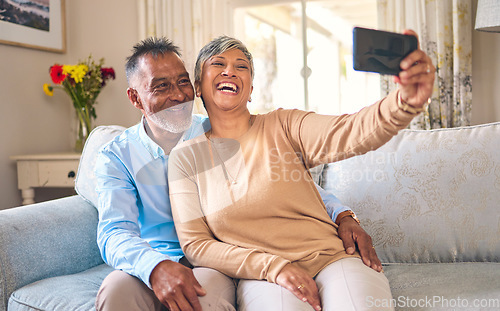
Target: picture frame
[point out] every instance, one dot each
(37, 24)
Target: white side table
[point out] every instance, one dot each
(45, 170)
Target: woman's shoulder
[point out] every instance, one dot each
(282, 115)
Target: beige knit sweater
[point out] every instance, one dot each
(248, 207)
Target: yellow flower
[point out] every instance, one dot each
(67, 69)
(49, 90)
(79, 72)
(76, 72)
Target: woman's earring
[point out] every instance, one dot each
(250, 100)
(198, 94)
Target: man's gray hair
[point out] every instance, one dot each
(218, 46)
(151, 46)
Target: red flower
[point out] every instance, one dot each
(57, 75)
(107, 73)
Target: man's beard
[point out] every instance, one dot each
(176, 119)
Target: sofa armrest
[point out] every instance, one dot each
(44, 240)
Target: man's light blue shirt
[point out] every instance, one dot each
(136, 229)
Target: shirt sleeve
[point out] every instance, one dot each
(333, 205)
(198, 242)
(118, 231)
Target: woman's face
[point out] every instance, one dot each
(226, 81)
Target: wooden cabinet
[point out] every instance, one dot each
(45, 170)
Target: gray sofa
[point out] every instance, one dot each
(430, 200)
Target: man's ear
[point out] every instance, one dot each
(134, 98)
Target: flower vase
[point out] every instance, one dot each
(83, 129)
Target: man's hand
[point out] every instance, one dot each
(176, 287)
(352, 235)
(300, 284)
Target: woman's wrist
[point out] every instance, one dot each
(403, 105)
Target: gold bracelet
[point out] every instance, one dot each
(413, 110)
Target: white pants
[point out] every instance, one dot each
(344, 285)
(122, 292)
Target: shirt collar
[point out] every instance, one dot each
(153, 148)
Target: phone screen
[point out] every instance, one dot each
(380, 51)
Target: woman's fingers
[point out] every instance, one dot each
(300, 284)
(416, 79)
(310, 294)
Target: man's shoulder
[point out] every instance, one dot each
(199, 125)
(200, 122)
(199, 118)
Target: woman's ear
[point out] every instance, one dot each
(197, 88)
(134, 98)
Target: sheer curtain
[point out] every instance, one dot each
(444, 29)
(190, 24)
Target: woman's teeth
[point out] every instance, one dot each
(227, 87)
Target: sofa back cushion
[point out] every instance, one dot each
(427, 196)
(86, 183)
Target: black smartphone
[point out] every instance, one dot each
(380, 51)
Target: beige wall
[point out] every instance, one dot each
(31, 122)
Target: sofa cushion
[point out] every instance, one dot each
(46, 239)
(444, 286)
(85, 184)
(427, 196)
(62, 293)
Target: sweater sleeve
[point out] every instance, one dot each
(324, 139)
(197, 240)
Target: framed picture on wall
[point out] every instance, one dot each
(37, 24)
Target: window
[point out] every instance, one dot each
(278, 37)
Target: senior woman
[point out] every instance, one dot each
(245, 204)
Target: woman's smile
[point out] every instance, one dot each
(227, 87)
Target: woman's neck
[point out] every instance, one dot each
(230, 125)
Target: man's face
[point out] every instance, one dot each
(162, 90)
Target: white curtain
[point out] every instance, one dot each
(444, 29)
(190, 24)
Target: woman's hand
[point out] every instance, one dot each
(416, 80)
(300, 284)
